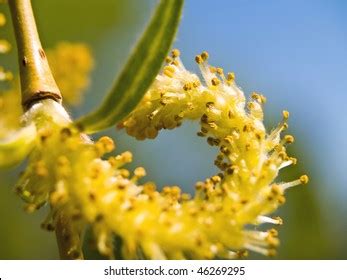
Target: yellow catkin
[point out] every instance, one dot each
(70, 172)
(247, 162)
(71, 64)
(10, 106)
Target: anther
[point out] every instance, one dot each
(276, 189)
(219, 70)
(198, 59)
(106, 143)
(125, 157)
(199, 185)
(220, 157)
(210, 141)
(304, 179)
(216, 179)
(204, 118)
(279, 220)
(215, 81)
(212, 125)
(230, 171)
(188, 86)
(224, 150)
(168, 71)
(285, 114)
(204, 55)
(65, 133)
(281, 200)
(209, 105)
(230, 114)
(293, 160)
(140, 172)
(231, 76)
(124, 173)
(258, 97)
(196, 83)
(168, 59)
(273, 232)
(255, 96)
(289, 139)
(175, 53)
(263, 99)
(213, 69)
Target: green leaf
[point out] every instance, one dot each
(140, 70)
(16, 147)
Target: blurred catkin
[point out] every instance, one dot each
(71, 64)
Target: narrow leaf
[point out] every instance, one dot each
(140, 70)
(16, 147)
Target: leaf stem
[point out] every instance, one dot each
(37, 81)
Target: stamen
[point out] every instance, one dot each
(260, 250)
(175, 53)
(268, 220)
(219, 71)
(302, 180)
(285, 114)
(231, 76)
(204, 55)
(199, 59)
(215, 81)
(289, 139)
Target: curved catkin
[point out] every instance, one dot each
(71, 173)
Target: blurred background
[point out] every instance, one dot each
(294, 52)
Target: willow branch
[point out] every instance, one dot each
(69, 239)
(37, 81)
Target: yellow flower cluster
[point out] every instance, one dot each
(11, 110)
(71, 64)
(68, 171)
(9, 99)
(249, 158)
